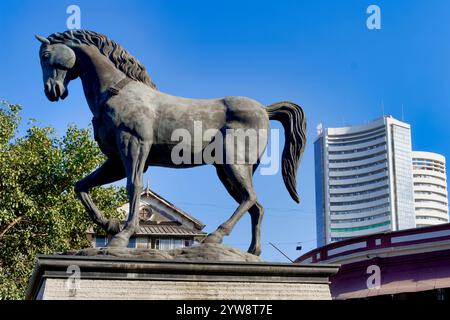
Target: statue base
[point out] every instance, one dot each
(200, 252)
(129, 274)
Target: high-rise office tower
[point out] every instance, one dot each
(430, 188)
(364, 180)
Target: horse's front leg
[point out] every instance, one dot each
(134, 153)
(110, 171)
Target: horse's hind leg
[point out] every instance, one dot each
(110, 171)
(256, 215)
(240, 177)
(256, 212)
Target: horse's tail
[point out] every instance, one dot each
(293, 120)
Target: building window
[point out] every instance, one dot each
(177, 243)
(360, 210)
(167, 244)
(360, 228)
(377, 216)
(132, 243)
(349, 203)
(358, 158)
(100, 241)
(361, 175)
(357, 150)
(142, 242)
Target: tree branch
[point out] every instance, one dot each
(12, 224)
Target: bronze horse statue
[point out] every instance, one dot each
(134, 123)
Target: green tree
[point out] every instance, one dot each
(39, 211)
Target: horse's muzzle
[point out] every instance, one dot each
(55, 90)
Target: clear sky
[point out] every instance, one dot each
(318, 54)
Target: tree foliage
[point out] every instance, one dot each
(39, 211)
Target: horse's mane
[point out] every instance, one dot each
(121, 58)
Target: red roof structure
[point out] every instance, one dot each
(406, 261)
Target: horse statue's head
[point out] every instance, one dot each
(61, 63)
(58, 63)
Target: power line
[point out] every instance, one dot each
(280, 210)
(263, 244)
(281, 252)
(277, 243)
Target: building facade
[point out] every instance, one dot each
(364, 180)
(430, 189)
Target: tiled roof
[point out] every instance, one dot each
(149, 193)
(167, 230)
(163, 229)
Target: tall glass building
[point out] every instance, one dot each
(364, 180)
(430, 189)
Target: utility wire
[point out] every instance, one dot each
(277, 243)
(280, 210)
(281, 252)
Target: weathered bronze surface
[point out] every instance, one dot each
(134, 125)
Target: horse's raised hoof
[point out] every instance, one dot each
(213, 238)
(118, 242)
(113, 226)
(255, 251)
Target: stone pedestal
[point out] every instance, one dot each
(117, 277)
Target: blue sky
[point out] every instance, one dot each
(318, 54)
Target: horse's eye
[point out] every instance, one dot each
(46, 56)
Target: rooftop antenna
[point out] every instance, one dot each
(403, 113)
(147, 188)
(319, 129)
(285, 255)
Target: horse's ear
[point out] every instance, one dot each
(42, 39)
